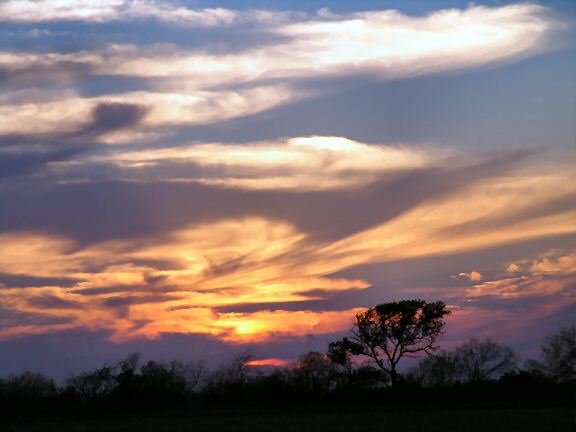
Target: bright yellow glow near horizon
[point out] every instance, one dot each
(218, 266)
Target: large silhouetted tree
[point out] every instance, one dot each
(390, 331)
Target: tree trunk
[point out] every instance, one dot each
(393, 376)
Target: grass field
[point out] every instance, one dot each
(538, 420)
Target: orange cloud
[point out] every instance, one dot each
(233, 262)
(275, 362)
(550, 274)
(181, 281)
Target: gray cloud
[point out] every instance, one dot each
(100, 211)
(109, 117)
(23, 154)
(47, 301)
(19, 280)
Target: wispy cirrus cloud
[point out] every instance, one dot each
(190, 280)
(186, 87)
(67, 118)
(25, 11)
(300, 164)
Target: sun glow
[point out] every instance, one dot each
(199, 279)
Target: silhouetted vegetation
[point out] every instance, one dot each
(475, 361)
(478, 374)
(390, 331)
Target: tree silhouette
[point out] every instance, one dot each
(473, 361)
(481, 360)
(390, 331)
(436, 370)
(29, 384)
(558, 356)
(315, 372)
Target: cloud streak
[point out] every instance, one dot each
(301, 164)
(553, 273)
(189, 280)
(195, 88)
(101, 11)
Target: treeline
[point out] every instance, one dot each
(478, 373)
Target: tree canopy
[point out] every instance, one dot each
(388, 332)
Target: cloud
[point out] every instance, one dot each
(510, 323)
(148, 200)
(59, 10)
(275, 362)
(209, 278)
(140, 241)
(101, 11)
(194, 88)
(182, 298)
(553, 273)
(109, 117)
(147, 113)
(473, 276)
(385, 43)
(467, 219)
(300, 164)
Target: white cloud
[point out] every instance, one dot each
(60, 10)
(305, 163)
(200, 88)
(72, 114)
(388, 44)
(38, 11)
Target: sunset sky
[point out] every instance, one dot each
(190, 179)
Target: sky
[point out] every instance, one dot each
(193, 179)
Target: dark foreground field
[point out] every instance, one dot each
(508, 420)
